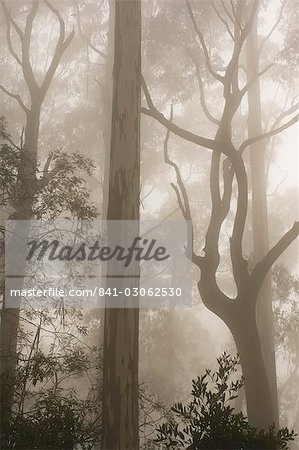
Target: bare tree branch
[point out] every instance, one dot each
(16, 97)
(228, 13)
(26, 66)
(223, 21)
(9, 18)
(85, 38)
(185, 207)
(270, 133)
(203, 45)
(202, 92)
(262, 268)
(254, 79)
(284, 114)
(61, 46)
(189, 136)
(252, 15)
(273, 28)
(237, 21)
(181, 194)
(10, 46)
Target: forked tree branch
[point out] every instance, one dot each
(254, 79)
(85, 38)
(61, 46)
(223, 21)
(270, 133)
(234, 20)
(10, 46)
(16, 97)
(202, 92)
(284, 114)
(26, 64)
(273, 28)
(181, 132)
(182, 196)
(203, 45)
(10, 19)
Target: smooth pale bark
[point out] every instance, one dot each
(264, 311)
(107, 104)
(120, 368)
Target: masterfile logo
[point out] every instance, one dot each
(88, 262)
(139, 250)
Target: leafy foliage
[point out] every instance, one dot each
(65, 187)
(209, 420)
(60, 187)
(51, 408)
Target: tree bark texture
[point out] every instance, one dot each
(120, 371)
(264, 311)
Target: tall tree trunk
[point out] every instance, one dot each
(107, 105)
(259, 218)
(256, 384)
(27, 180)
(10, 317)
(120, 371)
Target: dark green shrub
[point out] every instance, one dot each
(209, 420)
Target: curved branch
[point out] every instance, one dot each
(85, 38)
(273, 28)
(9, 18)
(203, 45)
(262, 268)
(284, 114)
(202, 92)
(181, 132)
(182, 196)
(10, 46)
(223, 21)
(16, 97)
(270, 133)
(254, 79)
(184, 203)
(26, 66)
(61, 46)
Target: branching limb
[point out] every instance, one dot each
(284, 114)
(235, 20)
(223, 21)
(16, 97)
(10, 46)
(239, 264)
(10, 19)
(262, 268)
(273, 28)
(254, 79)
(183, 199)
(181, 194)
(228, 176)
(181, 132)
(85, 38)
(9, 139)
(246, 30)
(203, 45)
(61, 46)
(26, 64)
(202, 92)
(270, 133)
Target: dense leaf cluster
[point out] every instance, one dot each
(209, 421)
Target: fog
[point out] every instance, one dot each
(218, 153)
